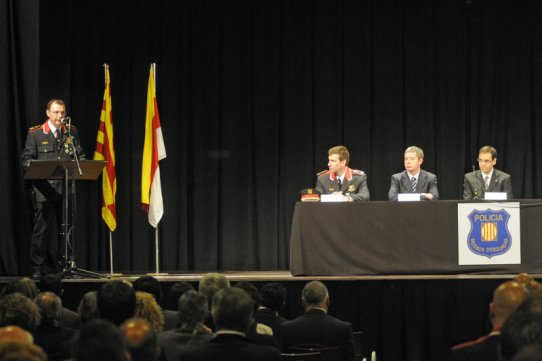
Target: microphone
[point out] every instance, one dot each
(66, 120)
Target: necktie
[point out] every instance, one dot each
(414, 182)
(57, 137)
(340, 183)
(486, 182)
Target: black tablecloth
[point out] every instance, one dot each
(372, 238)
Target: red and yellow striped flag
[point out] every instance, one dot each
(154, 150)
(106, 151)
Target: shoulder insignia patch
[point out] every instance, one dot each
(357, 172)
(34, 128)
(322, 172)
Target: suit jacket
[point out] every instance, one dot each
(473, 184)
(317, 327)
(483, 349)
(41, 144)
(70, 319)
(230, 347)
(174, 342)
(354, 184)
(400, 183)
(171, 319)
(55, 341)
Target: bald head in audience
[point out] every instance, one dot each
(18, 344)
(506, 299)
(15, 333)
(50, 308)
(140, 339)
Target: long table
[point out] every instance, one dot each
(399, 238)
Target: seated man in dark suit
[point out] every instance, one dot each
(316, 327)
(414, 179)
(341, 179)
(487, 179)
(54, 338)
(232, 313)
(53, 283)
(506, 299)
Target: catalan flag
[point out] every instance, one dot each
(106, 151)
(154, 150)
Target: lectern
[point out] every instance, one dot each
(66, 170)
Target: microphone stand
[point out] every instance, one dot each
(70, 267)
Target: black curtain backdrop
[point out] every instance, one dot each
(251, 95)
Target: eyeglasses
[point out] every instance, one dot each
(485, 161)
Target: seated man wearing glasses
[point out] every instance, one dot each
(487, 179)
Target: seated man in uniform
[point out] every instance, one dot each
(487, 179)
(413, 179)
(340, 179)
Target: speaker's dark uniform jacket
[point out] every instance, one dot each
(41, 144)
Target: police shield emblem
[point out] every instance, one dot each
(489, 235)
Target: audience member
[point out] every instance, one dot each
(18, 310)
(99, 340)
(50, 334)
(116, 301)
(210, 284)
(231, 310)
(531, 304)
(523, 278)
(151, 285)
(21, 351)
(191, 331)
(15, 333)
(252, 291)
(273, 296)
(24, 285)
(531, 352)
(177, 289)
(53, 283)
(506, 299)
(148, 309)
(316, 327)
(520, 330)
(140, 339)
(88, 307)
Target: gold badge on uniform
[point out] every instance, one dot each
(69, 140)
(309, 191)
(45, 142)
(331, 189)
(351, 188)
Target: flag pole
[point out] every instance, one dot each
(156, 239)
(111, 272)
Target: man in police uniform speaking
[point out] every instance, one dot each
(487, 179)
(340, 179)
(49, 141)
